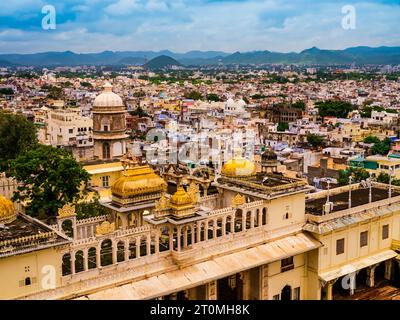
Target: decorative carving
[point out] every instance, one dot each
(238, 200)
(162, 204)
(128, 161)
(105, 228)
(67, 211)
(193, 192)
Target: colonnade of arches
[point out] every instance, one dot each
(111, 251)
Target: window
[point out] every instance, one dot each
(105, 128)
(28, 281)
(71, 130)
(276, 297)
(105, 180)
(385, 232)
(363, 239)
(339, 246)
(296, 293)
(287, 264)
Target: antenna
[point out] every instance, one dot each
(350, 181)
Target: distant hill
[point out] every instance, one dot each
(358, 55)
(162, 62)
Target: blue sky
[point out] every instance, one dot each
(183, 25)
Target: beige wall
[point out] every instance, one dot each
(351, 235)
(15, 269)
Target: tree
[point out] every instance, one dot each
(49, 177)
(382, 147)
(358, 175)
(315, 140)
(17, 135)
(139, 112)
(213, 97)
(371, 139)
(299, 105)
(339, 109)
(282, 127)
(90, 209)
(194, 95)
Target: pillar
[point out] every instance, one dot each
(252, 220)
(388, 269)
(215, 226)
(73, 262)
(223, 226)
(138, 242)
(371, 276)
(148, 245)
(211, 290)
(157, 243)
(245, 275)
(98, 260)
(244, 217)
(264, 282)
(179, 239)
(85, 260)
(126, 250)
(114, 252)
(185, 237)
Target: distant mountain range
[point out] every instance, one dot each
(357, 55)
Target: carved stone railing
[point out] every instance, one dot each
(91, 220)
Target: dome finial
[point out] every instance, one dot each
(107, 86)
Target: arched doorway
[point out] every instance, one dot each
(286, 293)
(66, 264)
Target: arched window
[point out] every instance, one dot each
(143, 246)
(106, 150)
(219, 227)
(120, 251)
(28, 281)
(106, 253)
(286, 293)
(238, 220)
(79, 261)
(264, 216)
(132, 249)
(92, 262)
(164, 239)
(66, 264)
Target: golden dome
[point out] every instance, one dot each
(181, 198)
(239, 167)
(7, 210)
(138, 180)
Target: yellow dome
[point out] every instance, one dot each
(181, 198)
(6, 208)
(239, 167)
(138, 180)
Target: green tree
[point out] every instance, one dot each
(17, 135)
(194, 95)
(371, 139)
(358, 175)
(315, 140)
(283, 126)
(213, 97)
(383, 178)
(299, 105)
(90, 209)
(49, 177)
(139, 112)
(382, 147)
(334, 108)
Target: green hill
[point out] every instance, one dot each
(161, 62)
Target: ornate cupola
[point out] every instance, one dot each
(109, 125)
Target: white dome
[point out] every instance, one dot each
(108, 98)
(230, 102)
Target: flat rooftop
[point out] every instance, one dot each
(359, 196)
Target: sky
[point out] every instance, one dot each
(183, 25)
